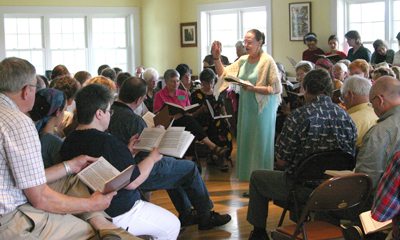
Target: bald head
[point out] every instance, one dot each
(385, 94)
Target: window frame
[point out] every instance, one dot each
(243, 6)
(131, 14)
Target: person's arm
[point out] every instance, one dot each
(265, 90)
(44, 198)
(158, 102)
(74, 165)
(145, 167)
(216, 54)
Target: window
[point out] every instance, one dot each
(23, 38)
(229, 22)
(81, 41)
(373, 20)
(109, 42)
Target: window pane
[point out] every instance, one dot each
(23, 33)
(67, 33)
(35, 57)
(254, 19)
(109, 32)
(75, 60)
(224, 28)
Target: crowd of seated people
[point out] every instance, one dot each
(369, 87)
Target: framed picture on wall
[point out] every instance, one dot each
(189, 34)
(299, 20)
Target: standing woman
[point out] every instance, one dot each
(257, 105)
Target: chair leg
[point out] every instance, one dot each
(282, 217)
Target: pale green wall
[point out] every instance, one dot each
(160, 19)
(72, 3)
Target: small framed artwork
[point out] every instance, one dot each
(189, 34)
(299, 20)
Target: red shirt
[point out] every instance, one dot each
(181, 98)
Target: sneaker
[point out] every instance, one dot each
(213, 220)
(258, 235)
(189, 219)
(352, 232)
(115, 234)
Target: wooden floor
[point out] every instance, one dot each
(226, 193)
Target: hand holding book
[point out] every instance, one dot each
(238, 81)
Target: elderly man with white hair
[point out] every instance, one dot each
(355, 95)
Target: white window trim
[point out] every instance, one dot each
(229, 5)
(132, 15)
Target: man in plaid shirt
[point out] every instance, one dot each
(387, 199)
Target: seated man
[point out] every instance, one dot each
(93, 112)
(318, 126)
(355, 95)
(181, 178)
(29, 208)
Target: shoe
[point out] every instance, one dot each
(220, 152)
(352, 232)
(212, 220)
(246, 195)
(258, 235)
(224, 168)
(116, 234)
(189, 219)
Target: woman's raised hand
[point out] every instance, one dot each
(216, 49)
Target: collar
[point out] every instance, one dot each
(121, 105)
(8, 102)
(358, 107)
(393, 111)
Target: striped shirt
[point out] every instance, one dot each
(21, 164)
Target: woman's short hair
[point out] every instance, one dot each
(333, 37)
(109, 73)
(379, 43)
(105, 81)
(207, 75)
(170, 73)
(68, 85)
(318, 82)
(150, 73)
(82, 76)
(122, 76)
(59, 71)
(306, 66)
(352, 34)
(361, 64)
(382, 71)
(182, 70)
(396, 70)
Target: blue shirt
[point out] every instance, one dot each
(316, 127)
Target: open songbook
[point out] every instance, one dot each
(103, 177)
(370, 225)
(213, 114)
(334, 58)
(175, 108)
(173, 141)
(237, 81)
(148, 117)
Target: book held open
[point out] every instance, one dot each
(237, 81)
(103, 177)
(173, 141)
(213, 114)
(175, 108)
(370, 225)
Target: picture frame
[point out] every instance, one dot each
(189, 34)
(299, 20)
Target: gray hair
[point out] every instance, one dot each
(170, 73)
(150, 73)
(342, 66)
(239, 44)
(356, 84)
(15, 73)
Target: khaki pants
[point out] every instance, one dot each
(27, 222)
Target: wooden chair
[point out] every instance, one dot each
(336, 193)
(308, 175)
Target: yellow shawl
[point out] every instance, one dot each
(268, 75)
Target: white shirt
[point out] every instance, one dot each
(21, 164)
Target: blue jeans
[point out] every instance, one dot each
(183, 183)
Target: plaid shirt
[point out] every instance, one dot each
(319, 126)
(21, 164)
(387, 199)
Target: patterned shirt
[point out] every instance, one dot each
(387, 199)
(21, 164)
(316, 127)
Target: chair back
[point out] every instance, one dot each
(314, 166)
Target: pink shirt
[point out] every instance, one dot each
(181, 98)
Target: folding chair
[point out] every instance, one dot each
(308, 175)
(334, 194)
